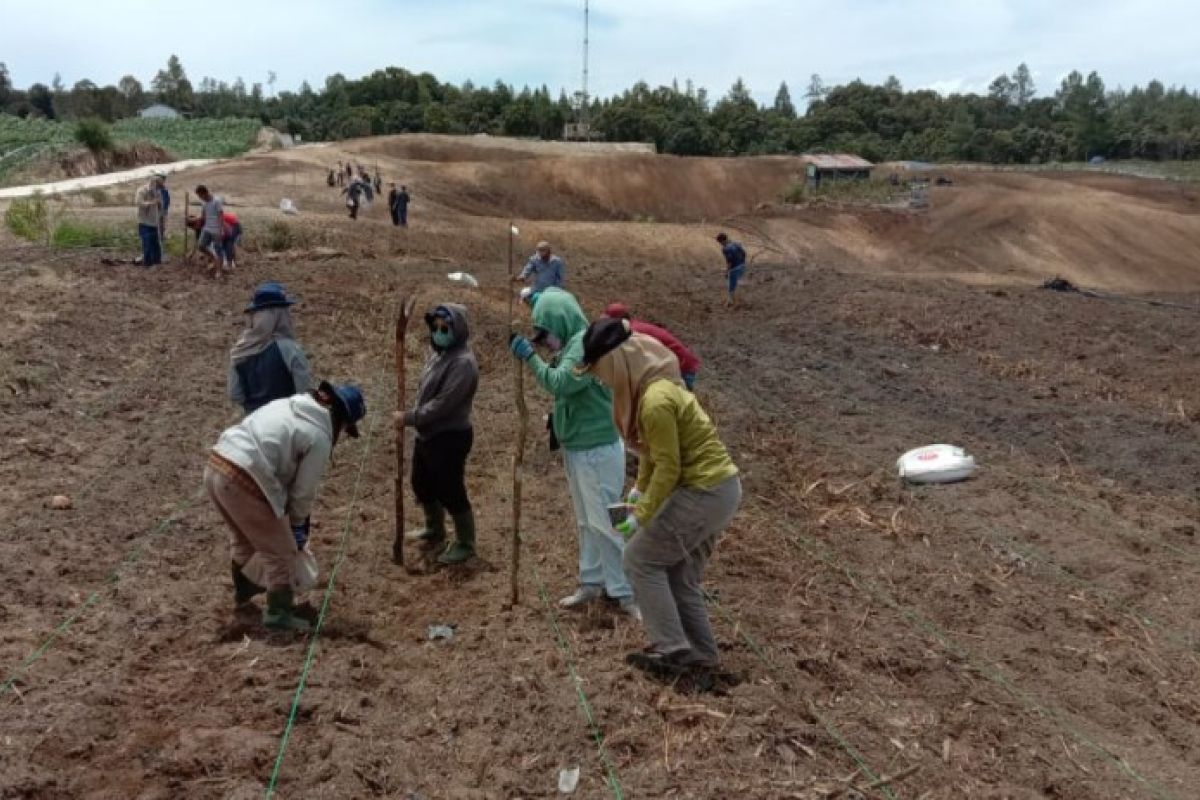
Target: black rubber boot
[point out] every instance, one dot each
(244, 590)
(463, 548)
(279, 613)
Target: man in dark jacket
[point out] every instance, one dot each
(401, 207)
(393, 193)
(442, 418)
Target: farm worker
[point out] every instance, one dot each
(689, 365)
(393, 192)
(149, 216)
(354, 194)
(445, 434)
(166, 207)
(231, 229)
(545, 268)
(594, 456)
(330, 179)
(267, 363)
(212, 232)
(401, 206)
(687, 493)
(263, 476)
(735, 264)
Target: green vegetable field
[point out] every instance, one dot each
(23, 141)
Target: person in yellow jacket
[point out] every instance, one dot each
(688, 491)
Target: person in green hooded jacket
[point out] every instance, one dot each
(594, 454)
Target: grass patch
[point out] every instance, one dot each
(29, 218)
(71, 234)
(852, 192)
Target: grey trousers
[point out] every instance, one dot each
(665, 562)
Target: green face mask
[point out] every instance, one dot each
(443, 339)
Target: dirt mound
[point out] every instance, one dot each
(83, 163)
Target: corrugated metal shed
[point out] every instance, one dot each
(838, 161)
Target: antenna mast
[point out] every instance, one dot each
(586, 107)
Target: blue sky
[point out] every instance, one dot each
(949, 45)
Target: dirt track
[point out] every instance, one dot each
(1030, 633)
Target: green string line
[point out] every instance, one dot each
(922, 623)
(310, 655)
(827, 723)
(1029, 552)
(110, 581)
(614, 783)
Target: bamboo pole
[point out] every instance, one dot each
(406, 311)
(186, 203)
(522, 425)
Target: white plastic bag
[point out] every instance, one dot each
(304, 571)
(464, 277)
(288, 207)
(937, 463)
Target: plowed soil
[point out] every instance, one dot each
(1029, 633)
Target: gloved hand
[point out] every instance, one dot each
(300, 532)
(628, 528)
(521, 347)
(634, 497)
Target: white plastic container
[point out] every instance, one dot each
(937, 463)
(304, 571)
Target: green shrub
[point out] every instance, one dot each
(278, 237)
(94, 135)
(29, 218)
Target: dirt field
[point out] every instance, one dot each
(1028, 634)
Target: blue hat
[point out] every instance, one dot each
(269, 295)
(350, 401)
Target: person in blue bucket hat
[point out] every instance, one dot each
(263, 476)
(267, 363)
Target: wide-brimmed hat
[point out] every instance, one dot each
(269, 295)
(350, 401)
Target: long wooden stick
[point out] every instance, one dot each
(522, 426)
(186, 202)
(406, 311)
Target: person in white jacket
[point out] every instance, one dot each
(263, 476)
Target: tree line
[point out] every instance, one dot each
(1011, 123)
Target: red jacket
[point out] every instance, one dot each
(688, 363)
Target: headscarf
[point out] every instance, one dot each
(628, 371)
(265, 326)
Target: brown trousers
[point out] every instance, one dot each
(253, 527)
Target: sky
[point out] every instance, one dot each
(947, 45)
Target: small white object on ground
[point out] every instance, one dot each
(937, 463)
(60, 502)
(288, 207)
(568, 780)
(464, 277)
(435, 632)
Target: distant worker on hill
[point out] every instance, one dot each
(378, 182)
(331, 180)
(689, 365)
(400, 209)
(267, 363)
(263, 475)
(735, 265)
(545, 269)
(391, 201)
(349, 171)
(212, 231)
(355, 192)
(149, 216)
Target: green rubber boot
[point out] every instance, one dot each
(278, 615)
(244, 589)
(433, 535)
(463, 548)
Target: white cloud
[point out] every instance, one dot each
(949, 45)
